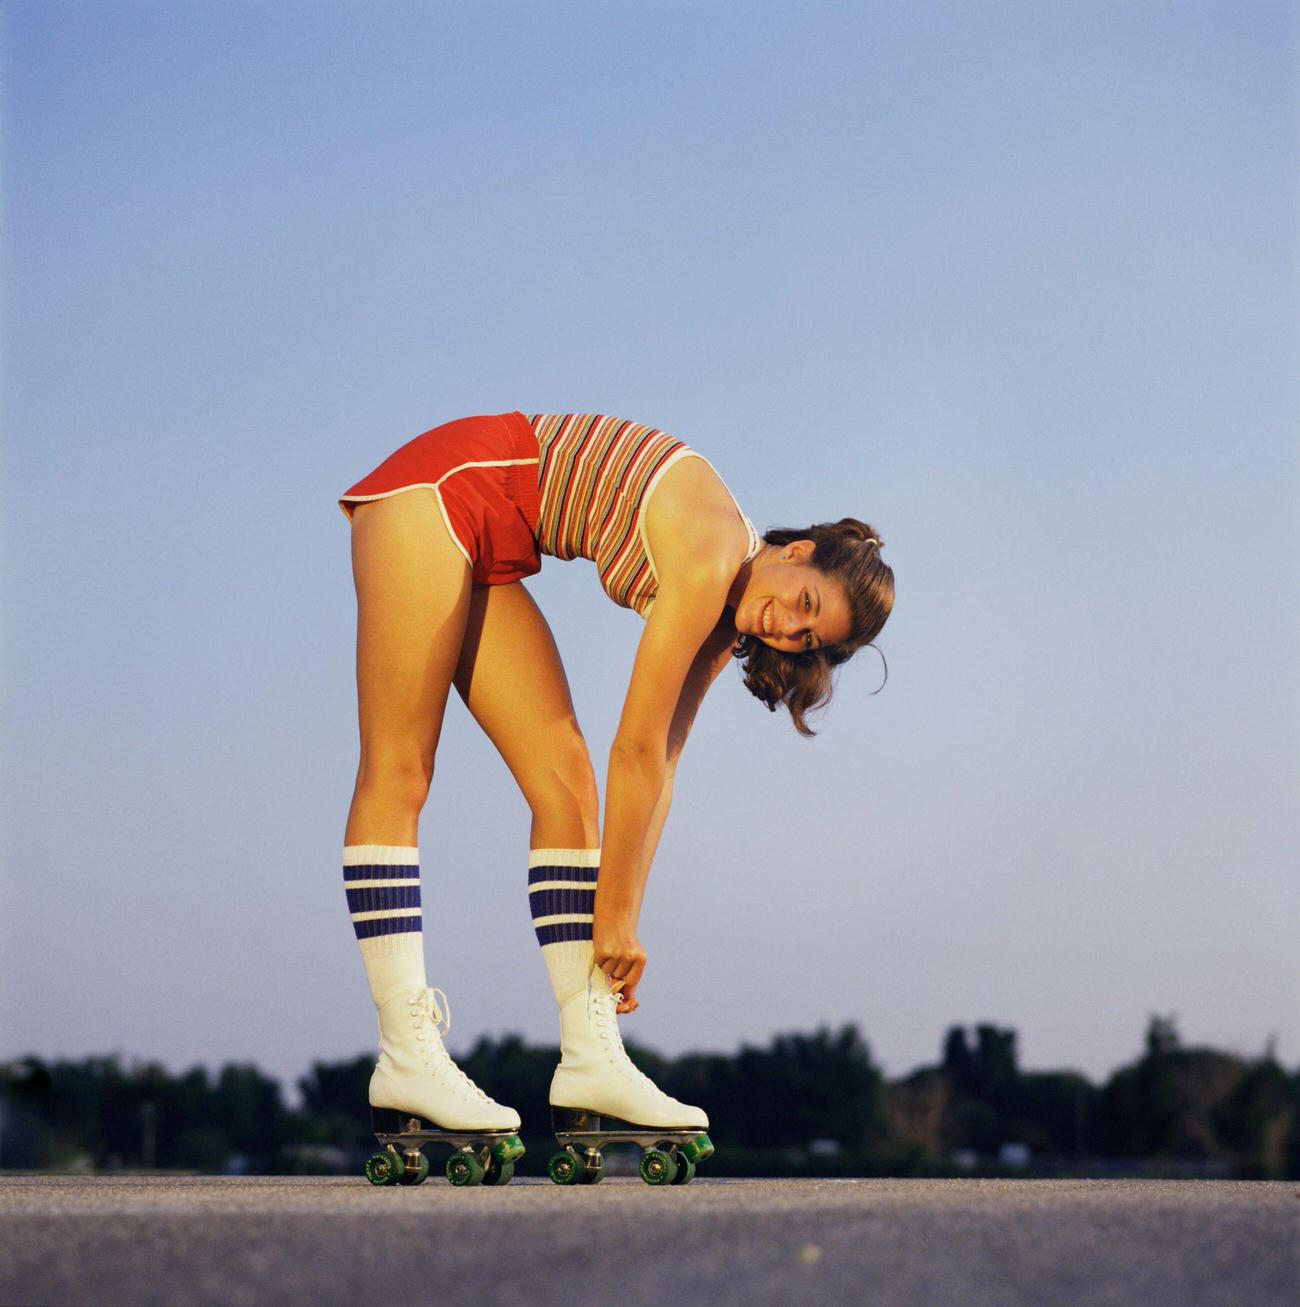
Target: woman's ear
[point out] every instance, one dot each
(800, 551)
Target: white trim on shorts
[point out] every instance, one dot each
(434, 486)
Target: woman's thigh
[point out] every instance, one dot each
(512, 681)
(413, 590)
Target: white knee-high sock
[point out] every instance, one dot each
(562, 895)
(383, 888)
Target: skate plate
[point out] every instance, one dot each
(478, 1156)
(573, 1125)
(669, 1155)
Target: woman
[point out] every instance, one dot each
(443, 532)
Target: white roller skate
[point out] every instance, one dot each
(599, 1097)
(418, 1095)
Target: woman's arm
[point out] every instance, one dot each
(713, 656)
(682, 625)
(614, 908)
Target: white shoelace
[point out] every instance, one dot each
(606, 1024)
(432, 1020)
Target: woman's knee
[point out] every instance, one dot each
(397, 781)
(565, 783)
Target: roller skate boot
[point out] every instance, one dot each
(418, 1095)
(599, 1097)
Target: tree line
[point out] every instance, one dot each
(805, 1104)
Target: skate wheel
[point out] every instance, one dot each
(383, 1168)
(657, 1167)
(685, 1170)
(508, 1150)
(564, 1167)
(498, 1172)
(464, 1168)
(697, 1150)
(415, 1168)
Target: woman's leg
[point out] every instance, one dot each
(413, 592)
(513, 682)
(413, 589)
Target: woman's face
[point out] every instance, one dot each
(789, 605)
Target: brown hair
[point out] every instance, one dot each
(847, 551)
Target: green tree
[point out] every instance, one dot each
(249, 1113)
(1256, 1119)
(335, 1097)
(804, 1087)
(958, 1064)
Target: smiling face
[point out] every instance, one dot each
(789, 605)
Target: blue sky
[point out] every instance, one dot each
(1016, 283)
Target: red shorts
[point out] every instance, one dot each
(483, 471)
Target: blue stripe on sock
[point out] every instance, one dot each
(563, 933)
(385, 926)
(383, 871)
(554, 902)
(383, 898)
(579, 875)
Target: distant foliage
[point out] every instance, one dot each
(96, 1114)
(805, 1103)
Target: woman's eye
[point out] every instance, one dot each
(807, 602)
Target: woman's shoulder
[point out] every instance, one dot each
(692, 518)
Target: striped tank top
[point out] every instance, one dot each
(595, 477)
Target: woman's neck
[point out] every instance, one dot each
(738, 586)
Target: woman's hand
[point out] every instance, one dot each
(618, 953)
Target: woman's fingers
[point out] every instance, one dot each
(624, 986)
(623, 965)
(619, 955)
(625, 970)
(627, 1001)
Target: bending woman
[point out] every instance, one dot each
(443, 532)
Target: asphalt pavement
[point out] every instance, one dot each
(911, 1243)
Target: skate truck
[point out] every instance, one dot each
(669, 1156)
(477, 1157)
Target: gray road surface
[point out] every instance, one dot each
(910, 1243)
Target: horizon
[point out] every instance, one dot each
(290, 1086)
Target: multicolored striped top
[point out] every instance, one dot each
(596, 475)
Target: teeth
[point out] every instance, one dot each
(767, 615)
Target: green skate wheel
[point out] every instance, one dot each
(657, 1167)
(464, 1168)
(699, 1149)
(564, 1167)
(383, 1168)
(498, 1172)
(508, 1150)
(685, 1170)
(414, 1173)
